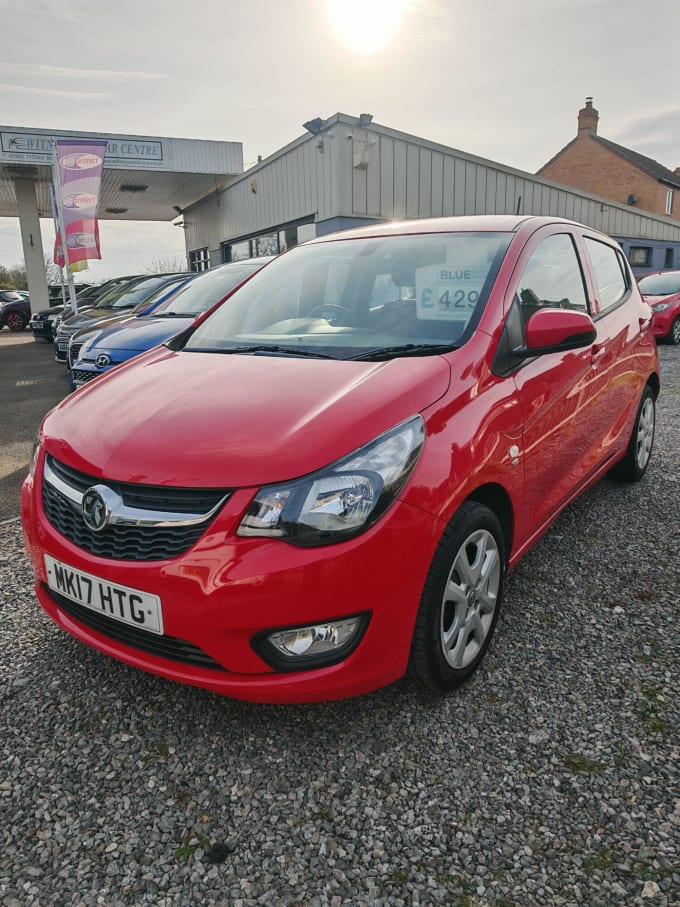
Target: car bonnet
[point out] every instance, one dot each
(210, 420)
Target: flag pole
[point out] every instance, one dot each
(62, 229)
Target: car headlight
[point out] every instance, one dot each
(34, 457)
(341, 500)
(661, 306)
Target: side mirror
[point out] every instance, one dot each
(556, 331)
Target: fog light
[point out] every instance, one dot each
(312, 646)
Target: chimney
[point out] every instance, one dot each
(587, 118)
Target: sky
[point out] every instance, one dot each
(501, 80)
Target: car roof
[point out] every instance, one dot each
(473, 223)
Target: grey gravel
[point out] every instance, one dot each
(550, 779)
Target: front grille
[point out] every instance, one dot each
(149, 497)
(162, 646)
(73, 353)
(82, 375)
(130, 542)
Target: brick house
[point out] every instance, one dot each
(604, 168)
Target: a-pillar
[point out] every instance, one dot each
(31, 240)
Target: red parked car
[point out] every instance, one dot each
(322, 483)
(662, 291)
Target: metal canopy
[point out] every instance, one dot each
(144, 178)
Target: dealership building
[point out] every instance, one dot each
(343, 171)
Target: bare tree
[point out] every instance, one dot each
(171, 264)
(52, 272)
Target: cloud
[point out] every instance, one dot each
(654, 134)
(65, 72)
(57, 92)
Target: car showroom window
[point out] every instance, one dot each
(552, 278)
(612, 284)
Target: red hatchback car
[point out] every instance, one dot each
(662, 292)
(322, 484)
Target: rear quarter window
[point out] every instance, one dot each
(612, 281)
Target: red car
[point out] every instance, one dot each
(322, 483)
(662, 291)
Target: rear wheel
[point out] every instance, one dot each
(674, 333)
(461, 600)
(15, 322)
(639, 450)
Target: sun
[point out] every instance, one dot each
(366, 26)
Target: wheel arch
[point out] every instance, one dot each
(655, 384)
(496, 498)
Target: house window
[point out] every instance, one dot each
(668, 261)
(640, 256)
(199, 260)
(669, 201)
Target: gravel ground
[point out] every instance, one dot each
(550, 779)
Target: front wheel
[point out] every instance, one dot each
(461, 600)
(636, 460)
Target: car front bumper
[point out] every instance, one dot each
(42, 331)
(225, 591)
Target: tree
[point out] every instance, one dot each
(52, 272)
(171, 264)
(5, 280)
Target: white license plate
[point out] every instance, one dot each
(129, 606)
(62, 346)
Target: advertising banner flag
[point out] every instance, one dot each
(79, 172)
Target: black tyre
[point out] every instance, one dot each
(674, 333)
(15, 322)
(636, 460)
(461, 600)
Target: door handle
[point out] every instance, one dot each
(596, 353)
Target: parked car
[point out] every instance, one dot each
(43, 323)
(662, 291)
(148, 305)
(322, 483)
(105, 348)
(117, 301)
(15, 310)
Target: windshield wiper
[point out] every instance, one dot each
(406, 349)
(268, 348)
(174, 314)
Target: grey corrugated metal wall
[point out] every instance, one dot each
(379, 173)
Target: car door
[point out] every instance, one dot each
(623, 319)
(563, 396)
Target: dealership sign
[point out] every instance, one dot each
(121, 152)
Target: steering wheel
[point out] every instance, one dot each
(334, 314)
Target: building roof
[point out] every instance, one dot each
(647, 164)
(144, 177)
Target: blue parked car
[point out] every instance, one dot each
(149, 303)
(111, 346)
(118, 302)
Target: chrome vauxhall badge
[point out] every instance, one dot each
(96, 511)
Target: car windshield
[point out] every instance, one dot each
(11, 296)
(206, 290)
(127, 296)
(376, 297)
(165, 289)
(660, 284)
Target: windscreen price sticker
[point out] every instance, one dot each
(448, 293)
